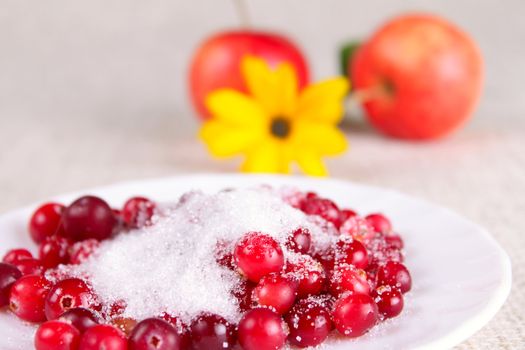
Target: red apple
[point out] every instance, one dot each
(428, 74)
(216, 63)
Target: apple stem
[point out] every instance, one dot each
(241, 8)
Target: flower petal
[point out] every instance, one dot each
(311, 164)
(266, 158)
(235, 108)
(275, 89)
(225, 141)
(321, 138)
(323, 102)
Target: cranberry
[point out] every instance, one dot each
(276, 291)
(9, 274)
(357, 228)
(67, 294)
(309, 323)
(345, 214)
(309, 273)
(46, 222)
(102, 336)
(212, 332)
(125, 324)
(30, 267)
(299, 241)
(15, 255)
(243, 292)
(351, 251)
(322, 207)
(88, 217)
(262, 329)
(56, 335)
(326, 258)
(137, 212)
(181, 328)
(395, 241)
(379, 222)
(346, 278)
(81, 251)
(27, 298)
(380, 252)
(54, 251)
(257, 254)
(224, 255)
(355, 314)
(154, 334)
(396, 275)
(80, 318)
(389, 301)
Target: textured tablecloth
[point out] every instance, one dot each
(93, 93)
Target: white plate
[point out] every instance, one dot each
(461, 275)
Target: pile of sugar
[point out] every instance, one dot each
(170, 266)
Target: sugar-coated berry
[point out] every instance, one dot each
(262, 329)
(103, 336)
(182, 329)
(154, 334)
(88, 217)
(396, 275)
(15, 255)
(67, 294)
(322, 207)
(81, 251)
(309, 273)
(379, 222)
(355, 314)
(346, 278)
(309, 323)
(212, 332)
(351, 251)
(276, 291)
(27, 298)
(137, 212)
(299, 241)
(54, 251)
(9, 274)
(345, 214)
(243, 292)
(257, 254)
(80, 318)
(395, 241)
(389, 301)
(357, 228)
(57, 335)
(46, 221)
(30, 267)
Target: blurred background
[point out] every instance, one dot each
(95, 92)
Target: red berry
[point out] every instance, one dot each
(381, 251)
(9, 274)
(67, 294)
(379, 223)
(81, 251)
(103, 336)
(309, 323)
(262, 329)
(395, 241)
(54, 251)
(182, 330)
(137, 212)
(355, 314)
(212, 332)
(389, 301)
(46, 222)
(243, 292)
(346, 278)
(357, 228)
(257, 254)
(309, 273)
(80, 318)
(351, 251)
(345, 214)
(322, 207)
(396, 275)
(88, 217)
(30, 267)
(15, 255)
(276, 291)
(27, 298)
(224, 255)
(299, 241)
(154, 334)
(56, 335)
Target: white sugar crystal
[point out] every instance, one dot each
(170, 266)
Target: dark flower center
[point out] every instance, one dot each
(280, 127)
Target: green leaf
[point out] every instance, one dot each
(346, 54)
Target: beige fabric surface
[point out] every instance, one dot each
(93, 93)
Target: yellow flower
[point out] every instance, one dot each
(275, 125)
